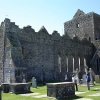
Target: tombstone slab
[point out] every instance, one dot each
(16, 87)
(5, 87)
(19, 88)
(60, 90)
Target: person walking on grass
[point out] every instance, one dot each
(74, 80)
(88, 81)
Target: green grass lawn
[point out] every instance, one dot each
(43, 90)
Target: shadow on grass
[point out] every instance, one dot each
(23, 92)
(40, 83)
(70, 98)
(96, 90)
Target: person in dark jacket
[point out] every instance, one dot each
(88, 81)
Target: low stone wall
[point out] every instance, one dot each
(61, 89)
(16, 87)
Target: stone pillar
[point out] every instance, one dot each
(86, 69)
(91, 82)
(34, 82)
(0, 93)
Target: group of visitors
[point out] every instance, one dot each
(74, 80)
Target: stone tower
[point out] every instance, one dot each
(82, 25)
(86, 26)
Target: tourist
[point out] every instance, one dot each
(74, 80)
(88, 81)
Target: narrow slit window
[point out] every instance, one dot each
(73, 64)
(89, 39)
(66, 63)
(97, 65)
(77, 25)
(59, 62)
(79, 64)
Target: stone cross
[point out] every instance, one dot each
(86, 71)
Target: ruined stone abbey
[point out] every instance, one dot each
(26, 53)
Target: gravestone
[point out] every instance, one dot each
(24, 81)
(34, 82)
(84, 79)
(60, 89)
(97, 78)
(91, 76)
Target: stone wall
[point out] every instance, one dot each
(2, 38)
(81, 25)
(96, 26)
(48, 56)
(42, 54)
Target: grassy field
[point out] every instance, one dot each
(43, 90)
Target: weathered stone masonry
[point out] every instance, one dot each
(26, 53)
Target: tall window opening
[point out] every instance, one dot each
(59, 62)
(73, 64)
(84, 62)
(79, 64)
(97, 65)
(22, 52)
(66, 63)
(89, 39)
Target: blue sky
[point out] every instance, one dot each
(48, 13)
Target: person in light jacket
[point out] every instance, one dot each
(74, 80)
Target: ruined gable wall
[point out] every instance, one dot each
(95, 60)
(2, 37)
(82, 26)
(13, 51)
(96, 26)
